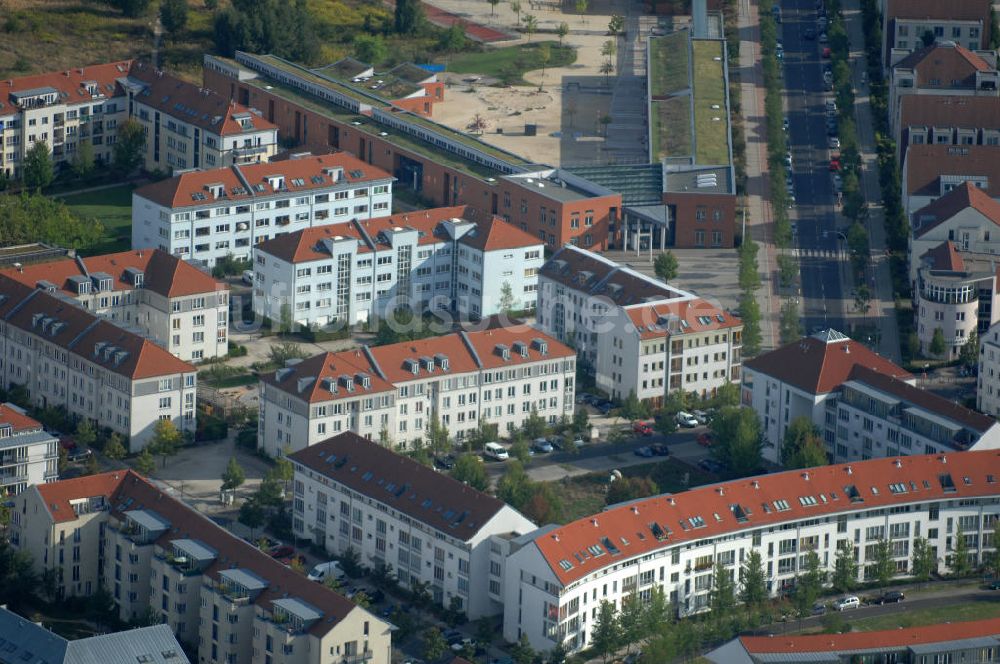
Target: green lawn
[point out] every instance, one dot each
(672, 127)
(510, 62)
(670, 62)
(711, 140)
(976, 610)
(113, 208)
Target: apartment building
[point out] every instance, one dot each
(191, 127)
(943, 68)
(28, 454)
(219, 594)
(987, 385)
(965, 216)
(426, 260)
(637, 333)
(972, 641)
(146, 291)
(348, 488)
(497, 375)
(556, 577)
(906, 22)
(66, 356)
(207, 215)
(64, 109)
(864, 405)
(23, 640)
(931, 171)
(445, 166)
(946, 120)
(957, 293)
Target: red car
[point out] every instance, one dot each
(826, 52)
(705, 439)
(834, 165)
(642, 428)
(282, 551)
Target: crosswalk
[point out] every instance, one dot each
(810, 252)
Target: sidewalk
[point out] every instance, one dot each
(883, 308)
(759, 222)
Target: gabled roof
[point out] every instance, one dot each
(56, 496)
(200, 107)
(956, 10)
(631, 530)
(818, 366)
(163, 273)
(965, 196)
(423, 494)
(951, 65)
(308, 379)
(193, 188)
(17, 419)
(69, 84)
(945, 257)
(901, 637)
(926, 164)
(680, 317)
(495, 234)
(515, 337)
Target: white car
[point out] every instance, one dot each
(248, 277)
(849, 602)
(834, 142)
(686, 420)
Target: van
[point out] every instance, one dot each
(849, 602)
(248, 277)
(495, 451)
(324, 570)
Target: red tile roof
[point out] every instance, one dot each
(950, 65)
(628, 527)
(392, 358)
(485, 343)
(57, 495)
(699, 314)
(590, 273)
(17, 419)
(889, 638)
(818, 367)
(401, 483)
(187, 102)
(69, 83)
(963, 111)
(163, 273)
(925, 164)
(945, 256)
(498, 235)
(314, 370)
(954, 10)
(186, 189)
(966, 195)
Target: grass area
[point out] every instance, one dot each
(113, 208)
(672, 127)
(711, 137)
(670, 62)
(511, 62)
(976, 610)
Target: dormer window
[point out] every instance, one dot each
(413, 366)
(365, 380)
(521, 348)
(276, 181)
(442, 361)
(503, 351)
(5, 431)
(347, 382)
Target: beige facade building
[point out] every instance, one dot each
(219, 594)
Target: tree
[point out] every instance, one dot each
(506, 298)
(632, 408)
(616, 25)
(522, 652)
(791, 322)
(130, 147)
(727, 395)
(630, 488)
(862, 299)
(748, 275)
(809, 585)
(722, 597)
(753, 581)
(493, 6)
(86, 435)
(485, 432)
(884, 567)
(437, 434)
(581, 6)
(994, 559)
(605, 638)
(657, 613)
(927, 38)
(959, 565)
(166, 440)
(515, 6)
(630, 621)
(470, 469)
(581, 421)
(561, 31)
(534, 425)
(520, 450)
(969, 353)
(173, 16)
(114, 449)
(144, 463)
(409, 16)
(800, 435)
(434, 644)
(83, 159)
(37, 171)
(283, 470)
(937, 346)
(544, 57)
(92, 467)
(280, 353)
(131, 8)
(370, 48)
(665, 266)
(233, 477)
(607, 68)
(453, 39)
(738, 436)
(514, 487)
(251, 515)
(530, 25)
(269, 493)
(924, 561)
(845, 569)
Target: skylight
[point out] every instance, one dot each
(807, 501)
(898, 487)
(852, 493)
(947, 484)
(697, 522)
(566, 565)
(781, 505)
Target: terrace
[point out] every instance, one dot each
(711, 112)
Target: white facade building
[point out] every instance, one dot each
(556, 578)
(427, 527)
(988, 379)
(207, 215)
(63, 355)
(429, 259)
(637, 333)
(864, 405)
(28, 454)
(496, 376)
(146, 291)
(157, 556)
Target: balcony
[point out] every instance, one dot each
(358, 659)
(250, 150)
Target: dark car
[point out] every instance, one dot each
(645, 451)
(710, 466)
(819, 609)
(659, 449)
(891, 597)
(809, 34)
(444, 462)
(78, 453)
(282, 551)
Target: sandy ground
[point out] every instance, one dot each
(572, 99)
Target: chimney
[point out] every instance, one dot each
(899, 463)
(944, 459)
(755, 484)
(594, 521)
(847, 349)
(635, 509)
(850, 471)
(721, 490)
(805, 476)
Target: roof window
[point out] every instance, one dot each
(807, 501)
(781, 505)
(853, 494)
(697, 522)
(947, 484)
(898, 487)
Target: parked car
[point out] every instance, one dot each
(810, 34)
(891, 597)
(686, 419)
(834, 142)
(248, 277)
(819, 609)
(444, 461)
(834, 165)
(78, 453)
(845, 603)
(292, 560)
(376, 595)
(541, 445)
(701, 416)
(784, 123)
(822, 38)
(994, 585)
(659, 449)
(642, 428)
(495, 451)
(645, 451)
(579, 441)
(705, 439)
(711, 466)
(328, 569)
(281, 551)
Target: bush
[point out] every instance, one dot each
(211, 428)
(236, 350)
(247, 438)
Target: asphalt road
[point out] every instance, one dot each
(817, 242)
